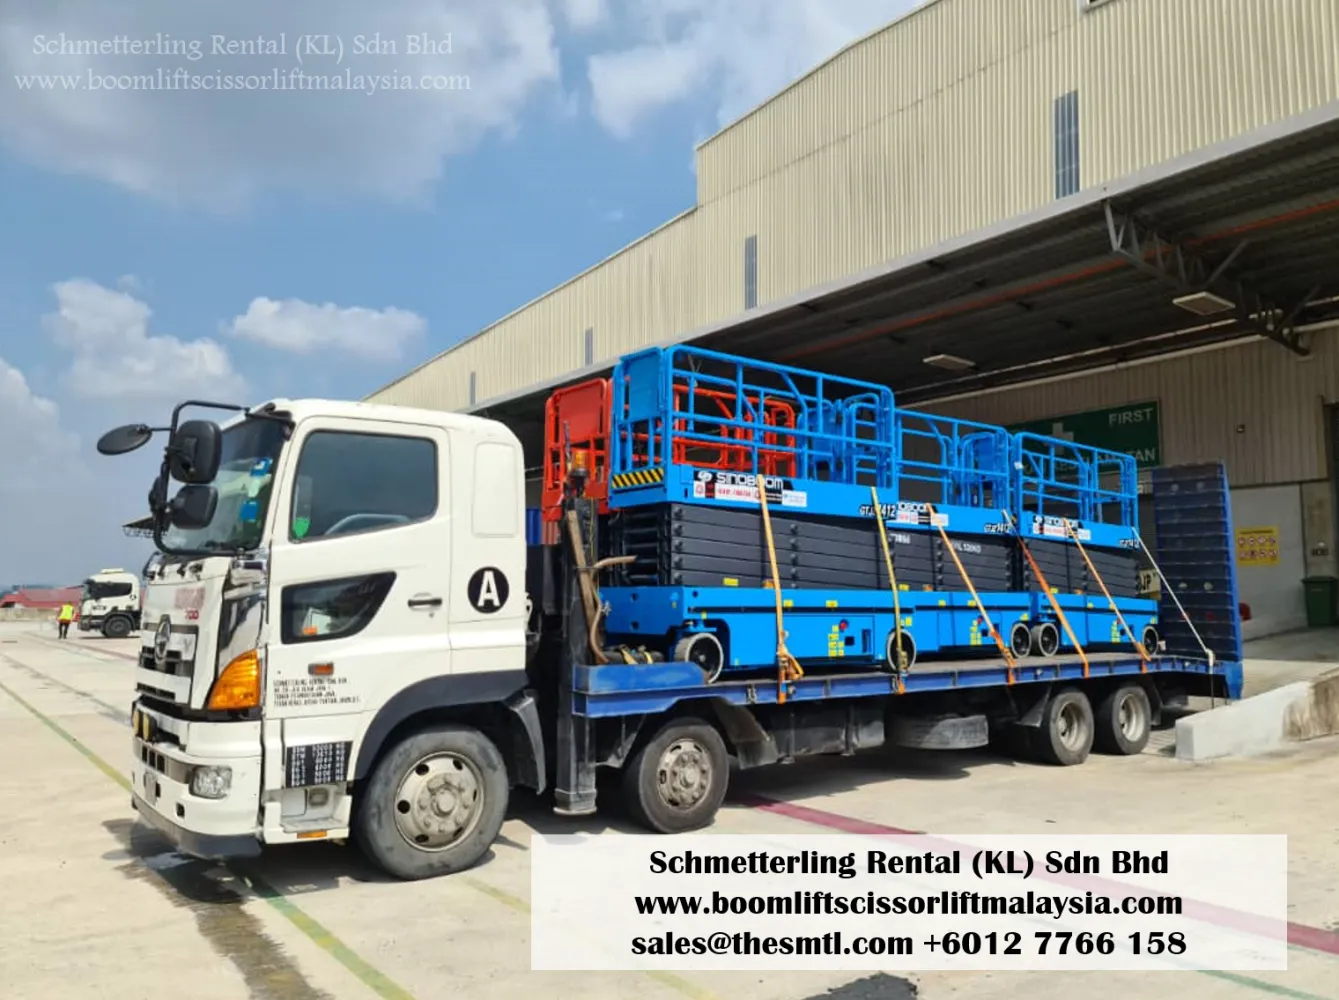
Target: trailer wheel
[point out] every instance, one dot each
(1045, 639)
(116, 627)
(890, 651)
(1123, 721)
(434, 803)
(704, 650)
(1020, 640)
(1065, 736)
(677, 781)
(1150, 640)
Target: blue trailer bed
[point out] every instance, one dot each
(617, 689)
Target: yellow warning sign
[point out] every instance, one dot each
(1258, 547)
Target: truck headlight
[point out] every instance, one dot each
(211, 782)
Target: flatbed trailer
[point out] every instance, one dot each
(640, 718)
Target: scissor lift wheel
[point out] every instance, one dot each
(704, 650)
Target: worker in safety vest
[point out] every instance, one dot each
(66, 616)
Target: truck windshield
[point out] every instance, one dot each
(245, 474)
(101, 590)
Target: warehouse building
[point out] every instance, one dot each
(1115, 219)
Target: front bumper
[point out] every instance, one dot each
(210, 846)
(88, 624)
(200, 827)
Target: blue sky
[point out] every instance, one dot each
(250, 243)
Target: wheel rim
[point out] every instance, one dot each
(1049, 640)
(1019, 639)
(1131, 718)
(438, 802)
(1070, 726)
(684, 775)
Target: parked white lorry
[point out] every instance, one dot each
(110, 603)
(338, 603)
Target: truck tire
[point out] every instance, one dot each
(434, 803)
(1123, 721)
(677, 781)
(117, 627)
(1065, 736)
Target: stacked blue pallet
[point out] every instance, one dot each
(696, 433)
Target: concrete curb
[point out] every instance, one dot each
(1304, 710)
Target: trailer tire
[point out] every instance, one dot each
(1065, 736)
(117, 627)
(1123, 722)
(433, 804)
(677, 781)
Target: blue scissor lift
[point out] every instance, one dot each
(684, 478)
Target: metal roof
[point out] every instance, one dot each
(1051, 292)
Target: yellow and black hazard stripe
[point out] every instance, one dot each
(641, 477)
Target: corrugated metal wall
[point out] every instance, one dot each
(939, 125)
(1276, 398)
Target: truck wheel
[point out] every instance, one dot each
(1065, 736)
(434, 804)
(116, 627)
(1045, 639)
(677, 781)
(1123, 721)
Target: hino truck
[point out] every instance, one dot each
(356, 630)
(110, 603)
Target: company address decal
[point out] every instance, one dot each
(742, 487)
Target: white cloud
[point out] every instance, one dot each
(62, 514)
(304, 328)
(737, 53)
(585, 14)
(114, 357)
(209, 142)
(33, 443)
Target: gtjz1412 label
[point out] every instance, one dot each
(905, 512)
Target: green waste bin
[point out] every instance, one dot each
(1322, 595)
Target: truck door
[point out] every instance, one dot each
(359, 593)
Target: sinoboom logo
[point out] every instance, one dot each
(293, 79)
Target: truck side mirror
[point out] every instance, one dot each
(125, 439)
(193, 506)
(195, 452)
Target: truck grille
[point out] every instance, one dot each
(173, 664)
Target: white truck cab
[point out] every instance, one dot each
(335, 633)
(110, 603)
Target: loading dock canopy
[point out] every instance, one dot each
(1239, 240)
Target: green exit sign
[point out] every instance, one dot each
(1132, 429)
